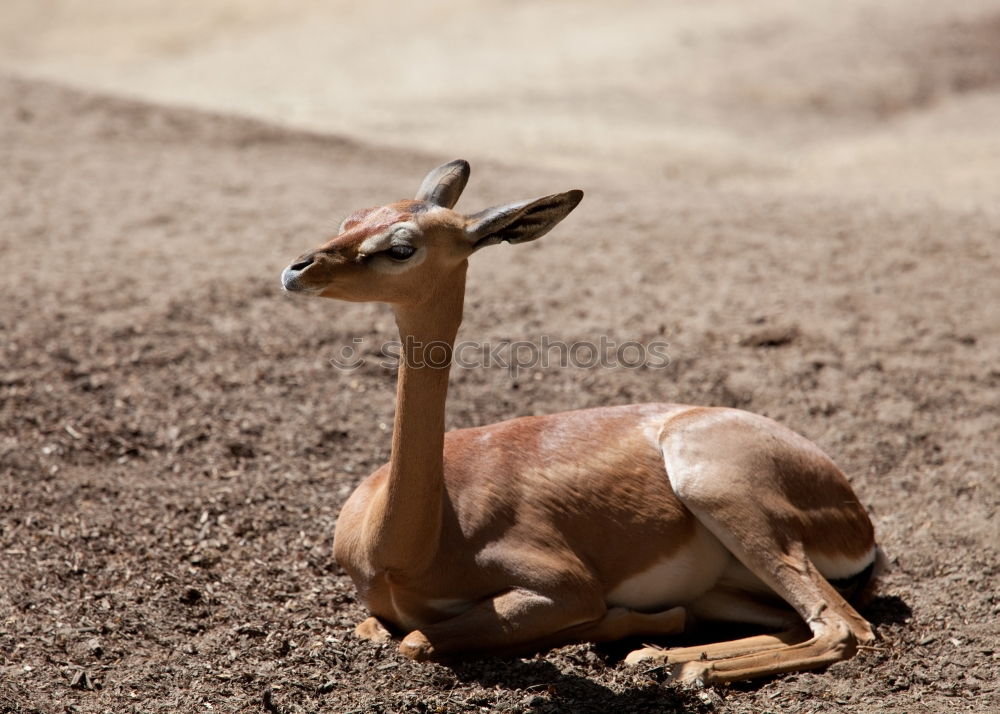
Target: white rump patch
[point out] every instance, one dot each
(840, 566)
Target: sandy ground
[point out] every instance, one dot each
(802, 202)
(839, 95)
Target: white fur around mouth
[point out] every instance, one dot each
(290, 283)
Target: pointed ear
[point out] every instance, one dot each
(520, 222)
(445, 184)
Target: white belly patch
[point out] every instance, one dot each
(676, 579)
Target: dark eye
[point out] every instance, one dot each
(401, 252)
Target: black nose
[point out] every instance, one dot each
(302, 264)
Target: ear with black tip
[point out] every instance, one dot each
(445, 184)
(520, 222)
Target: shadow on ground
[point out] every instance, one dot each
(549, 689)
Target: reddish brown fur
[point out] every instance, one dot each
(366, 223)
(514, 536)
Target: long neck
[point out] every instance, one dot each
(405, 521)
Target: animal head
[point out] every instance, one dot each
(397, 252)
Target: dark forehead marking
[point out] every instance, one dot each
(413, 207)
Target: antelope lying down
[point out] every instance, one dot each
(590, 525)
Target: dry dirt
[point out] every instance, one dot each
(175, 443)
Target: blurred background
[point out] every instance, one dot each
(831, 93)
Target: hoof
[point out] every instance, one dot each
(646, 656)
(691, 673)
(373, 630)
(694, 674)
(416, 647)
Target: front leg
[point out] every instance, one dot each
(372, 629)
(515, 621)
(521, 621)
